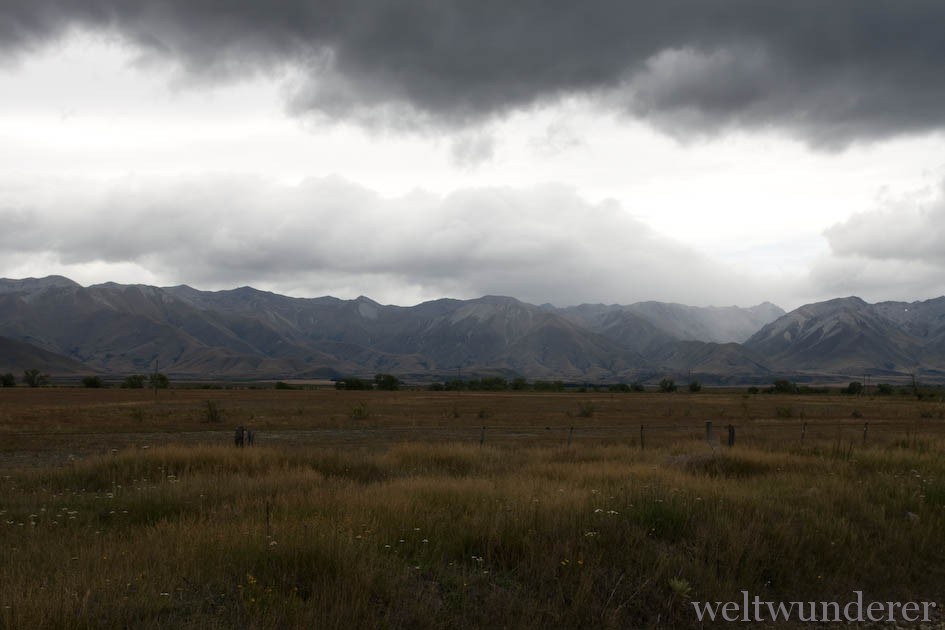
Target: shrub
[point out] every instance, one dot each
(488, 384)
(637, 387)
(359, 412)
(695, 386)
(387, 382)
(753, 390)
(353, 383)
(884, 389)
(284, 385)
(519, 384)
(92, 381)
(135, 381)
(667, 385)
(158, 381)
(783, 386)
(854, 389)
(619, 387)
(212, 412)
(7, 380)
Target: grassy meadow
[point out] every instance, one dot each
(397, 510)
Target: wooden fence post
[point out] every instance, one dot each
(731, 435)
(642, 443)
(803, 433)
(708, 431)
(866, 428)
(570, 433)
(482, 437)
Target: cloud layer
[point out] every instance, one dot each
(832, 72)
(331, 236)
(891, 252)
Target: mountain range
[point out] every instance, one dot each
(59, 326)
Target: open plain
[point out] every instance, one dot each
(416, 509)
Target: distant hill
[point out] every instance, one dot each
(17, 356)
(246, 333)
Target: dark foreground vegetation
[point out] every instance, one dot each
(407, 514)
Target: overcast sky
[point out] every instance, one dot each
(703, 151)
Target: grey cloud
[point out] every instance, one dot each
(892, 252)
(875, 280)
(540, 244)
(472, 149)
(832, 72)
(908, 229)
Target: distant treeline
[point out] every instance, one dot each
(389, 382)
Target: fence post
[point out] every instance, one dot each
(482, 437)
(570, 433)
(866, 428)
(803, 433)
(708, 431)
(731, 435)
(641, 438)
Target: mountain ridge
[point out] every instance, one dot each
(245, 332)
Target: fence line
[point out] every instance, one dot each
(643, 434)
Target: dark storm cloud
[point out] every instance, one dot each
(832, 72)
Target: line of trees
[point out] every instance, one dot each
(31, 378)
(36, 378)
(386, 382)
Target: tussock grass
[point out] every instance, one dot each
(454, 535)
(443, 532)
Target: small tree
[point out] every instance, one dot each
(695, 386)
(134, 381)
(34, 378)
(519, 384)
(784, 386)
(158, 381)
(353, 383)
(92, 381)
(855, 388)
(667, 385)
(387, 382)
(8, 380)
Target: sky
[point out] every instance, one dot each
(706, 152)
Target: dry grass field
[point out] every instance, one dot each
(398, 510)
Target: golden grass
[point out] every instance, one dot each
(433, 533)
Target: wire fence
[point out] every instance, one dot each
(844, 437)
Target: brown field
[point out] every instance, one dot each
(47, 425)
(457, 509)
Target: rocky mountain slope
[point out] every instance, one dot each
(247, 333)
(848, 335)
